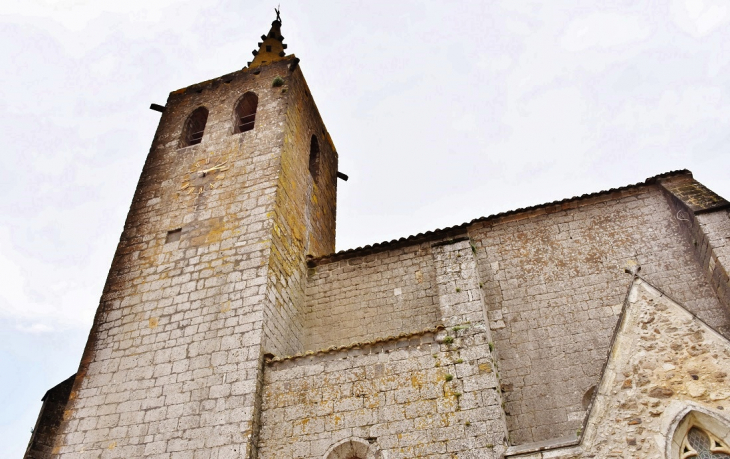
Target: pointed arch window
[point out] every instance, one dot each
(700, 444)
(314, 158)
(698, 433)
(246, 112)
(195, 127)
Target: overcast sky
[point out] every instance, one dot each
(440, 112)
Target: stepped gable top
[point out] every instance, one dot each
(460, 230)
(271, 49)
(271, 46)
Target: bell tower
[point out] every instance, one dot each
(239, 187)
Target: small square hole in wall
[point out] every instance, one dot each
(173, 235)
(268, 48)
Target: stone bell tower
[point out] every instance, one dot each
(239, 187)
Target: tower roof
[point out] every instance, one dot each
(271, 46)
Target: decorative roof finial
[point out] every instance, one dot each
(272, 46)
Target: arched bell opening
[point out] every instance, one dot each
(195, 127)
(246, 113)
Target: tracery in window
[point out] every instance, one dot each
(701, 444)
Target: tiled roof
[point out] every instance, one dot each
(451, 231)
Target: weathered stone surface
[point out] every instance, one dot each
(694, 195)
(373, 296)
(227, 328)
(174, 359)
(676, 379)
(49, 419)
(554, 283)
(410, 398)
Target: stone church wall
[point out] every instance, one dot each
(303, 217)
(416, 396)
(665, 364)
(225, 329)
(706, 220)
(408, 389)
(49, 419)
(172, 362)
(402, 287)
(713, 248)
(362, 298)
(554, 282)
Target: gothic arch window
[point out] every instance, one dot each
(700, 444)
(699, 434)
(194, 127)
(246, 112)
(314, 158)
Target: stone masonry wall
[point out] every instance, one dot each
(372, 296)
(696, 197)
(554, 282)
(390, 291)
(422, 394)
(49, 418)
(664, 362)
(174, 356)
(304, 216)
(667, 372)
(413, 397)
(460, 289)
(714, 250)
(705, 217)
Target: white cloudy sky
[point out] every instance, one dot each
(441, 112)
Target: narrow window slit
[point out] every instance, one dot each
(314, 158)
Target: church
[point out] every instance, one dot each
(593, 327)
